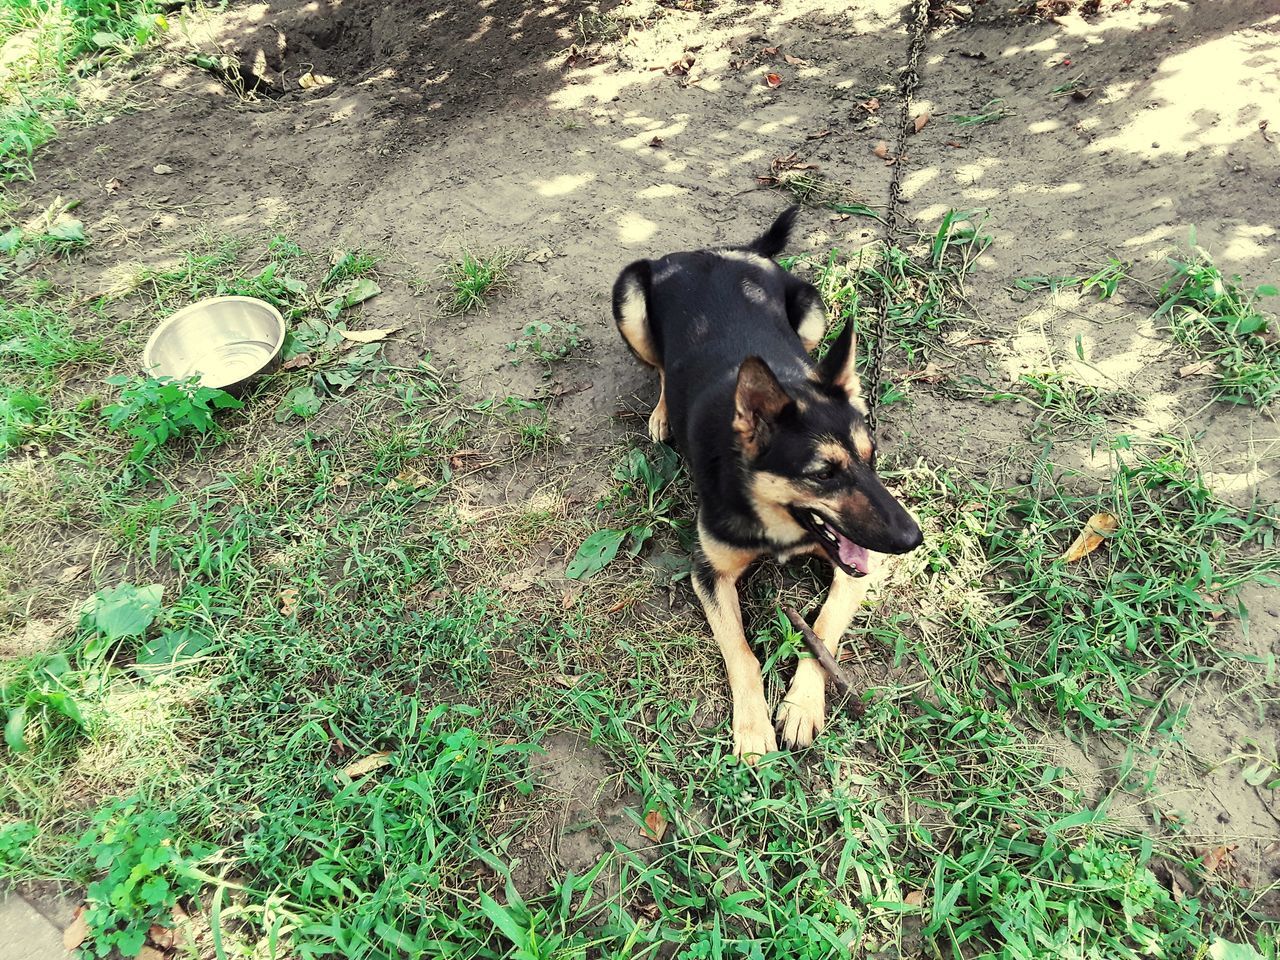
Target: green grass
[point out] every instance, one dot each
(473, 280)
(993, 111)
(923, 287)
(1221, 321)
(47, 42)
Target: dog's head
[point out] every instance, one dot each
(810, 460)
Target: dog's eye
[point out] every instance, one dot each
(824, 472)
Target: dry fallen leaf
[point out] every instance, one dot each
(570, 597)
(112, 185)
(871, 106)
(293, 363)
(769, 51)
(368, 336)
(773, 80)
(311, 80)
(655, 825)
(72, 572)
(162, 937)
(656, 142)
(1201, 368)
(162, 169)
(288, 601)
(1218, 858)
(932, 373)
(921, 119)
(881, 150)
(149, 953)
(76, 932)
(914, 899)
(366, 765)
(680, 68)
(568, 680)
(795, 61)
(1096, 529)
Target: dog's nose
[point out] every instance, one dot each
(907, 537)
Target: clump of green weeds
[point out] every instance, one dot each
(642, 504)
(39, 703)
(146, 868)
(546, 341)
(1104, 281)
(993, 111)
(473, 280)
(1223, 323)
(154, 410)
(921, 289)
(21, 415)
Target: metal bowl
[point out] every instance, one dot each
(225, 341)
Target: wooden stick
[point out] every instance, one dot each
(853, 703)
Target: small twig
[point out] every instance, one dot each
(853, 703)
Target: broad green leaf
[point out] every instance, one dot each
(171, 648)
(1267, 290)
(503, 921)
(68, 231)
(357, 291)
(595, 553)
(301, 402)
(1226, 950)
(124, 610)
(10, 240)
(15, 729)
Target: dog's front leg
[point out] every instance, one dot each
(802, 713)
(717, 568)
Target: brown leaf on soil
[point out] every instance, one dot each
(72, 572)
(163, 169)
(295, 363)
(881, 150)
(76, 931)
(366, 764)
(769, 51)
(1201, 368)
(112, 185)
(773, 80)
(871, 106)
(681, 67)
(656, 142)
(914, 898)
(655, 825)
(790, 162)
(1096, 529)
(649, 911)
(570, 597)
(954, 144)
(932, 373)
(1218, 858)
(149, 953)
(921, 120)
(288, 600)
(162, 937)
(795, 61)
(368, 336)
(568, 680)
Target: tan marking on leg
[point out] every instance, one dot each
(802, 713)
(659, 428)
(753, 735)
(633, 324)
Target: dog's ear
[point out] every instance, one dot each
(839, 368)
(758, 400)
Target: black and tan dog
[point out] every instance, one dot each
(778, 448)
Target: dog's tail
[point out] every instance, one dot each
(774, 240)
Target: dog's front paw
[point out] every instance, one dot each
(659, 428)
(802, 713)
(753, 734)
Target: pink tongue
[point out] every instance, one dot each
(851, 554)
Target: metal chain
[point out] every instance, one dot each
(909, 82)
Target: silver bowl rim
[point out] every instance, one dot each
(173, 318)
